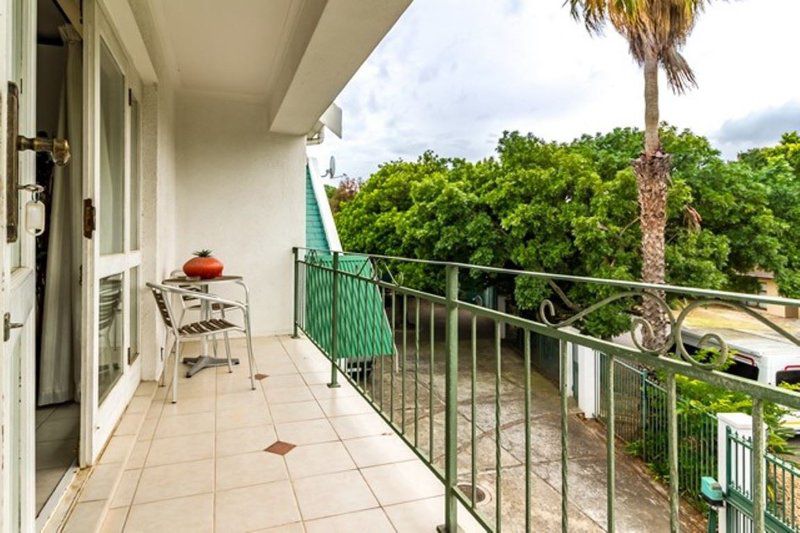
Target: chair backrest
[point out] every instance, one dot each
(160, 293)
(110, 297)
(184, 298)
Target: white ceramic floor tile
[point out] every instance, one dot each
(402, 482)
(333, 494)
(371, 520)
(378, 450)
(288, 395)
(193, 514)
(181, 449)
(174, 481)
(114, 520)
(293, 412)
(255, 507)
(356, 426)
(306, 432)
(126, 488)
(243, 440)
(345, 406)
(175, 426)
(246, 469)
(242, 418)
(316, 459)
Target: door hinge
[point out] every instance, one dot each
(8, 326)
(89, 223)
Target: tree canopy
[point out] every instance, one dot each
(571, 208)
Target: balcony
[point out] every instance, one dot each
(396, 409)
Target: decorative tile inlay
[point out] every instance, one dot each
(279, 447)
(259, 377)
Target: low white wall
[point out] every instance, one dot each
(240, 191)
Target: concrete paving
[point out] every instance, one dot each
(640, 504)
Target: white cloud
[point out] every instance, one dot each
(453, 74)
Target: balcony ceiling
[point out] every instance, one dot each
(293, 55)
(227, 47)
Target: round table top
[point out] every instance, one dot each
(198, 281)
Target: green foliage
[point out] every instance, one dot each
(572, 208)
(777, 170)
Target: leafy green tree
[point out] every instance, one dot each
(778, 171)
(571, 208)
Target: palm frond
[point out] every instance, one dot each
(679, 74)
(658, 27)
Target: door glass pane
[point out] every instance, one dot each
(135, 180)
(134, 315)
(112, 153)
(109, 333)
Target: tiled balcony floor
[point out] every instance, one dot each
(201, 464)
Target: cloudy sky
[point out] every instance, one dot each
(453, 74)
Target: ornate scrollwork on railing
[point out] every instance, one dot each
(641, 328)
(714, 339)
(638, 323)
(382, 266)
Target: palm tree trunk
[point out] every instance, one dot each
(652, 170)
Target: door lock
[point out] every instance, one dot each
(8, 326)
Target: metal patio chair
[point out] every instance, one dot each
(189, 303)
(202, 328)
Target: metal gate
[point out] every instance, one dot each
(783, 483)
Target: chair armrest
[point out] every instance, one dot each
(204, 296)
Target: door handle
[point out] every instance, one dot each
(8, 326)
(57, 148)
(15, 143)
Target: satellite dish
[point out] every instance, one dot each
(332, 167)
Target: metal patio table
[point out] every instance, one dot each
(205, 361)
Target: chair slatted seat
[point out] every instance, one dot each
(204, 327)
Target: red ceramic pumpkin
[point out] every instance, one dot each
(203, 266)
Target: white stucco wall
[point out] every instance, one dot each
(240, 191)
(158, 190)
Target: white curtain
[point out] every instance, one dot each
(59, 362)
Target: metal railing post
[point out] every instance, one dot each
(759, 477)
(296, 293)
(335, 322)
(451, 403)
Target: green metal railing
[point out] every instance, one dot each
(641, 422)
(426, 388)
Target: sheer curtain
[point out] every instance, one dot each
(59, 368)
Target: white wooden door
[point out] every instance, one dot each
(17, 287)
(111, 253)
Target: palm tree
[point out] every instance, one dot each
(655, 30)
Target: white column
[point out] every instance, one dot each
(742, 424)
(588, 376)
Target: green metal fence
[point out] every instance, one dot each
(405, 387)
(782, 482)
(641, 421)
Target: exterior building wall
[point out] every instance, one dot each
(770, 288)
(241, 193)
